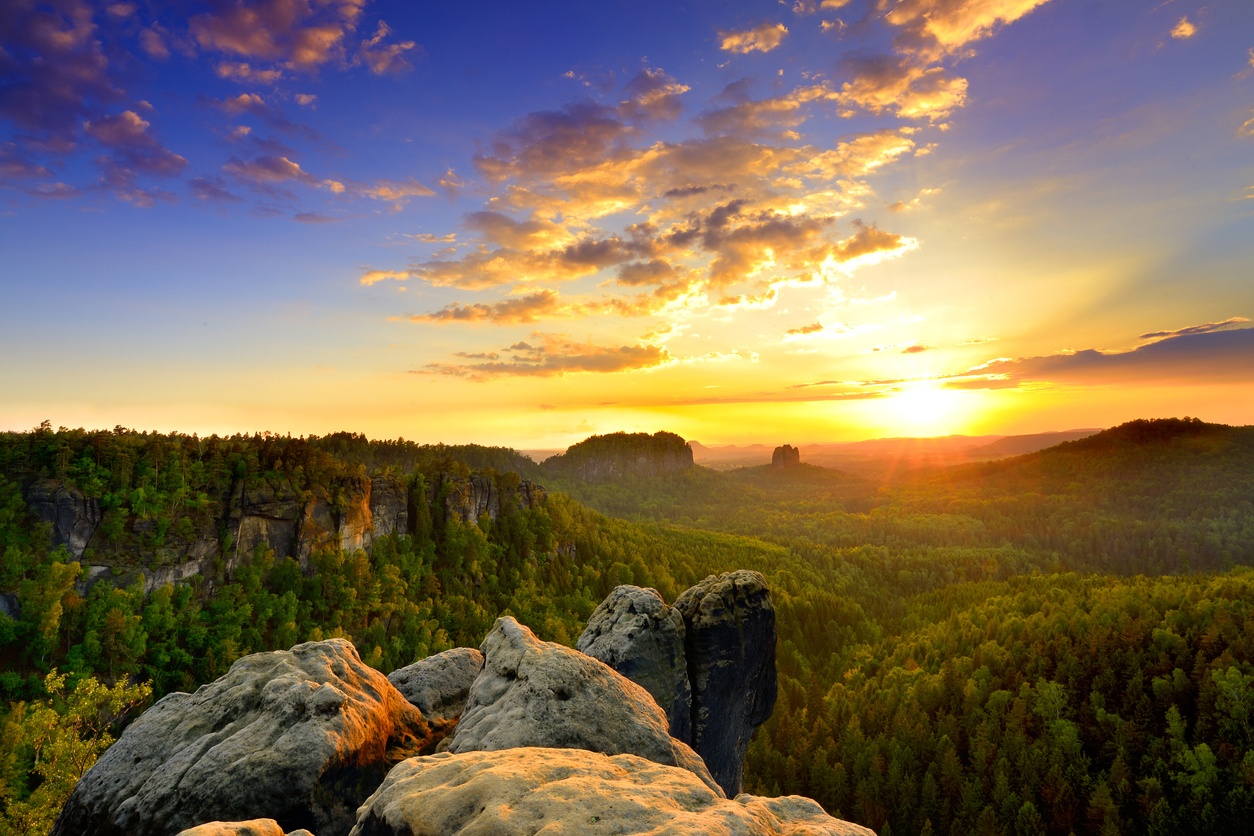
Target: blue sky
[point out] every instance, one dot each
(521, 224)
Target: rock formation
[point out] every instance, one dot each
(603, 458)
(256, 827)
(525, 791)
(726, 625)
(786, 456)
(466, 498)
(74, 517)
(439, 684)
(300, 736)
(729, 642)
(389, 506)
(535, 693)
(637, 634)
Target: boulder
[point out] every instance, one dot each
(439, 684)
(300, 736)
(526, 791)
(786, 456)
(637, 634)
(256, 827)
(729, 638)
(536, 693)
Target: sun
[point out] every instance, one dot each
(927, 408)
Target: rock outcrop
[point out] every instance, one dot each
(467, 498)
(300, 736)
(786, 456)
(604, 458)
(637, 634)
(74, 517)
(519, 792)
(389, 506)
(439, 684)
(535, 693)
(729, 638)
(256, 827)
(709, 661)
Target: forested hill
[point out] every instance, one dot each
(1160, 496)
(1061, 643)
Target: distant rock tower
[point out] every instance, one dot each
(786, 456)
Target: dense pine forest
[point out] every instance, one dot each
(1056, 643)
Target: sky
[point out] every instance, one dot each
(525, 223)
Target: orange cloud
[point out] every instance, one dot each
(1183, 29)
(548, 355)
(294, 33)
(762, 38)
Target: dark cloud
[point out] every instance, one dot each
(212, 188)
(521, 309)
(915, 349)
(651, 95)
(252, 104)
(267, 169)
(1186, 358)
(54, 69)
(314, 218)
(554, 141)
(557, 355)
(1205, 328)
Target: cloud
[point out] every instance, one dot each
(915, 349)
(651, 95)
(896, 84)
(1189, 356)
(940, 26)
(244, 72)
(1183, 29)
(54, 69)
(386, 58)
(298, 34)
(763, 116)
(762, 38)
(556, 354)
(521, 309)
(131, 151)
(252, 104)
(552, 141)
(1205, 328)
(396, 192)
(314, 218)
(212, 188)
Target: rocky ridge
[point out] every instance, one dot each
(310, 740)
(348, 515)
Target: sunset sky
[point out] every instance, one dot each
(524, 223)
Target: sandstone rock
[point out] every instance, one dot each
(535, 693)
(786, 456)
(607, 457)
(729, 640)
(389, 506)
(466, 498)
(256, 827)
(73, 516)
(439, 684)
(637, 634)
(302, 736)
(526, 791)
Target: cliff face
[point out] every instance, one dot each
(466, 499)
(348, 514)
(603, 458)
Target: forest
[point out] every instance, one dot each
(1056, 643)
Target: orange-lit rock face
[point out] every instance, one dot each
(524, 791)
(300, 736)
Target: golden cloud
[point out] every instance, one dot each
(762, 38)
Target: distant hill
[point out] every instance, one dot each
(616, 455)
(1018, 445)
